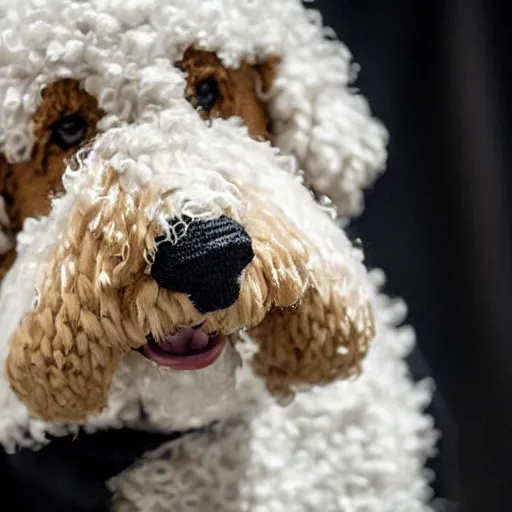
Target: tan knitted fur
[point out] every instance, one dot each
(97, 301)
(315, 342)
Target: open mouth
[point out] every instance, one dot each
(188, 349)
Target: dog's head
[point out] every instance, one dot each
(149, 157)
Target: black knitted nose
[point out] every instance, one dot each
(206, 263)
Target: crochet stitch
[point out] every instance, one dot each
(162, 167)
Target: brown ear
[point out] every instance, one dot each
(312, 330)
(321, 339)
(62, 357)
(58, 376)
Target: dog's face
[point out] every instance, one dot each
(148, 171)
(67, 119)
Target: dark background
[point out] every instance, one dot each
(439, 221)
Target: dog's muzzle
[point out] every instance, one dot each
(206, 262)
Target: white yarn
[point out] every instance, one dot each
(208, 168)
(355, 446)
(352, 446)
(112, 44)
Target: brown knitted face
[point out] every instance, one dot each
(67, 119)
(217, 91)
(114, 285)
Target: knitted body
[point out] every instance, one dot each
(359, 445)
(167, 264)
(351, 446)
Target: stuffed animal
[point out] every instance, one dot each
(171, 263)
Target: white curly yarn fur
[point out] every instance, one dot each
(207, 167)
(355, 446)
(318, 117)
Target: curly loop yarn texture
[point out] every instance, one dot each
(316, 114)
(357, 445)
(200, 111)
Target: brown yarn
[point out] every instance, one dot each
(238, 88)
(307, 336)
(6, 261)
(314, 343)
(28, 186)
(63, 356)
(97, 302)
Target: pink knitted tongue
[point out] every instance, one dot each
(185, 340)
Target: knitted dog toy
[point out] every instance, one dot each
(167, 268)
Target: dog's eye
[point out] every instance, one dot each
(69, 131)
(207, 93)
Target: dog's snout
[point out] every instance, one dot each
(206, 262)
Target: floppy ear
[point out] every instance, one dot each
(322, 338)
(317, 319)
(60, 363)
(321, 119)
(63, 355)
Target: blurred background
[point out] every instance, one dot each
(439, 221)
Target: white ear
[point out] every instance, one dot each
(324, 122)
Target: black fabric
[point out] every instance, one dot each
(205, 263)
(70, 473)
